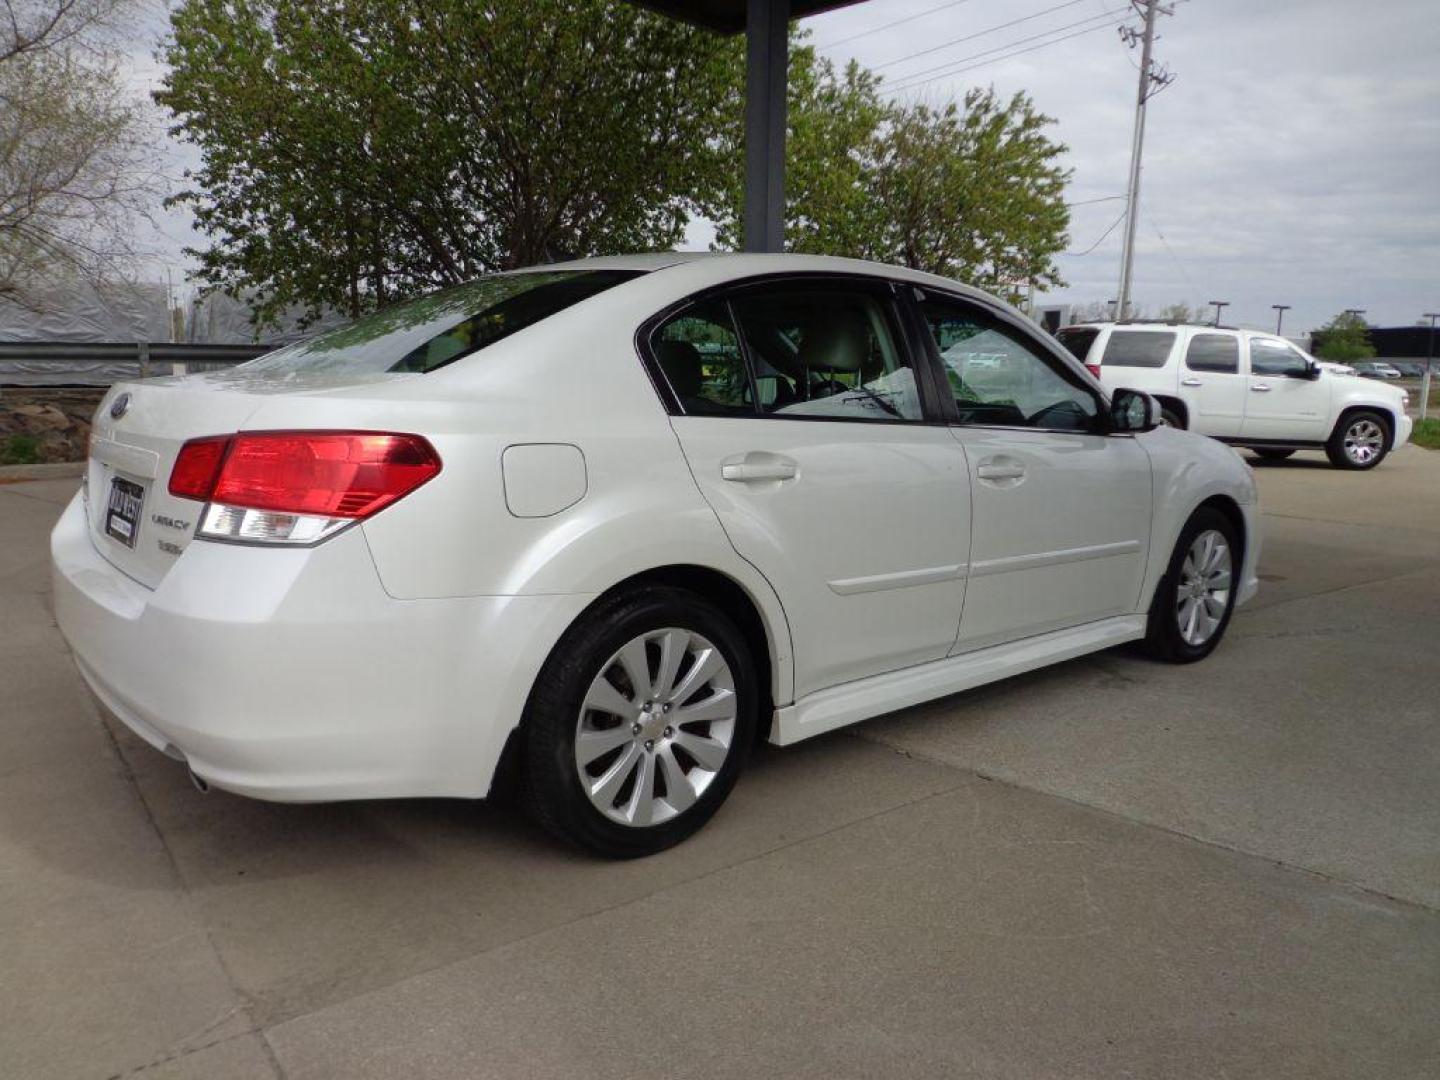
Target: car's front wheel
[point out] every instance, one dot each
(1360, 441)
(640, 723)
(1195, 598)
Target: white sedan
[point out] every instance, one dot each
(602, 525)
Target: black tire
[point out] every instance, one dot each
(1271, 453)
(1170, 418)
(1343, 452)
(1163, 636)
(552, 790)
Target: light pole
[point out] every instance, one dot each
(1356, 311)
(1218, 305)
(1429, 360)
(1280, 310)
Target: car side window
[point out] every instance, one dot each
(1275, 358)
(1000, 379)
(699, 352)
(1213, 352)
(826, 351)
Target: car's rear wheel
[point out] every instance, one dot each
(1170, 418)
(1195, 598)
(639, 723)
(1360, 441)
(1271, 453)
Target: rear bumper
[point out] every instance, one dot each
(291, 675)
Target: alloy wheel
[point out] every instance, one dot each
(656, 726)
(1203, 592)
(1364, 440)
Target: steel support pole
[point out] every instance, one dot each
(766, 56)
(1429, 363)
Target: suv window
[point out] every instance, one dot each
(829, 351)
(699, 352)
(1078, 340)
(1275, 358)
(1138, 348)
(1213, 352)
(1000, 379)
(424, 334)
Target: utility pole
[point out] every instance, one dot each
(1429, 362)
(1356, 311)
(1151, 83)
(1280, 310)
(1218, 305)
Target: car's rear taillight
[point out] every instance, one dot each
(1094, 369)
(297, 487)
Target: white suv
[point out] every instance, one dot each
(1248, 389)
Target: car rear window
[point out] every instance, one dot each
(424, 334)
(1138, 348)
(1078, 340)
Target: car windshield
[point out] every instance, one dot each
(424, 334)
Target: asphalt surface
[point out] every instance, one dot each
(1110, 868)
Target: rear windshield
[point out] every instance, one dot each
(424, 334)
(1138, 348)
(1078, 340)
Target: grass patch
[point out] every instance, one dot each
(19, 450)
(1427, 434)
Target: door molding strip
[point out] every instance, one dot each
(902, 579)
(986, 567)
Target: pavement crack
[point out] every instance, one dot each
(245, 1002)
(1234, 849)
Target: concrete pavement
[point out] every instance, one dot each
(1109, 868)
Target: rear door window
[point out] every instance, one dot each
(1213, 352)
(827, 350)
(432, 331)
(1138, 348)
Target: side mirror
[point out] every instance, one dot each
(1312, 371)
(1133, 411)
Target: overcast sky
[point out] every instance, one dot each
(1295, 159)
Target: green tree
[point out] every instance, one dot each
(1344, 339)
(972, 190)
(355, 152)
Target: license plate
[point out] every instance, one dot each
(122, 516)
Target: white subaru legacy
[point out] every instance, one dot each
(600, 526)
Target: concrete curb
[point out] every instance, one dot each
(66, 470)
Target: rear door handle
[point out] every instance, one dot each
(1190, 382)
(750, 470)
(1000, 472)
(1260, 387)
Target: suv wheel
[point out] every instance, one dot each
(1170, 418)
(639, 723)
(1195, 598)
(1359, 441)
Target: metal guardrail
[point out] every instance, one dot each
(32, 363)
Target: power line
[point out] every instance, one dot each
(949, 72)
(1101, 240)
(888, 25)
(972, 37)
(1088, 202)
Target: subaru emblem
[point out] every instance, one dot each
(118, 407)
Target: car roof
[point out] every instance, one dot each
(737, 264)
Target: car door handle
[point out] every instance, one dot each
(1260, 387)
(750, 472)
(1190, 382)
(1000, 472)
